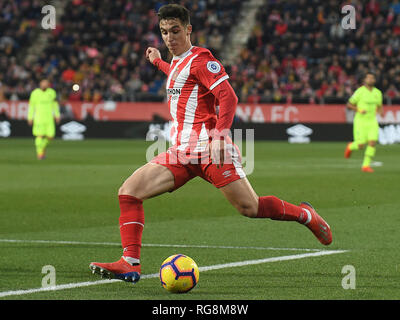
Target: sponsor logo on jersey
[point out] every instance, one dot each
(213, 66)
(173, 91)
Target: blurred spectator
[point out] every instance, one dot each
(315, 59)
(297, 50)
(395, 6)
(100, 45)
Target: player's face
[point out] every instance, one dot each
(370, 80)
(175, 35)
(44, 84)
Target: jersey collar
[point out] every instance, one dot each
(183, 55)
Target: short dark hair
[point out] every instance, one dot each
(174, 11)
(369, 72)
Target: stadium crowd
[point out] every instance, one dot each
(100, 45)
(18, 20)
(297, 51)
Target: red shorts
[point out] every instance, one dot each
(185, 168)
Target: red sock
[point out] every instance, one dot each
(131, 223)
(277, 209)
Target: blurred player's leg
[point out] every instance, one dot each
(44, 132)
(370, 151)
(146, 182)
(277, 209)
(131, 224)
(46, 141)
(242, 196)
(368, 155)
(358, 142)
(50, 134)
(38, 130)
(351, 146)
(40, 148)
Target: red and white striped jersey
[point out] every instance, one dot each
(191, 78)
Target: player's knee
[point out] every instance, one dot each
(129, 189)
(122, 190)
(361, 146)
(247, 209)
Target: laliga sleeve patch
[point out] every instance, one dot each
(213, 66)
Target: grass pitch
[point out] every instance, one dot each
(63, 212)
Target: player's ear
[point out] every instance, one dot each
(189, 29)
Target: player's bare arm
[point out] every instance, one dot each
(379, 110)
(354, 108)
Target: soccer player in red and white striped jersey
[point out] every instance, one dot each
(195, 80)
(196, 84)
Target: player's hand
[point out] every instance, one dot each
(57, 120)
(152, 54)
(217, 152)
(362, 111)
(30, 122)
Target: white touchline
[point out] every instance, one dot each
(271, 259)
(154, 245)
(155, 275)
(60, 242)
(225, 247)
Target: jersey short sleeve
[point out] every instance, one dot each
(32, 97)
(53, 93)
(208, 70)
(355, 98)
(32, 101)
(380, 103)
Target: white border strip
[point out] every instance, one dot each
(155, 245)
(271, 259)
(155, 275)
(218, 82)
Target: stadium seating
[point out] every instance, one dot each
(101, 45)
(297, 50)
(18, 20)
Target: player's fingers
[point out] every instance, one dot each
(215, 156)
(148, 52)
(222, 157)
